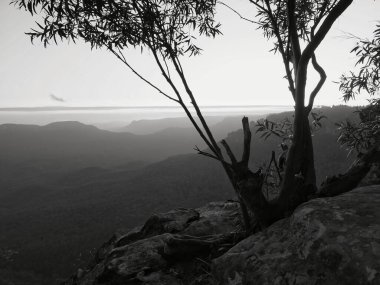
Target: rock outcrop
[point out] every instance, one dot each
(171, 248)
(325, 241)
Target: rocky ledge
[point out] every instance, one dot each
(326, 241)
(171, 248)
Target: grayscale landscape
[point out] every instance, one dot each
(193, 142)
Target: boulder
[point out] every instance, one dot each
(326, 241)
(163, 250)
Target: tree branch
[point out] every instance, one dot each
(166, 64)
(317, 88)
(237, 13)
(211, 143)
(319, 18)
(247, 141)
(324, 29)
(262, 8)
(196, 107)
(293, 34)
(283, 51)
(229, 152)
(180, 101)
(201, 152)
(123, 59)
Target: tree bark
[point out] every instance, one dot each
(257, 211)
(299, 181)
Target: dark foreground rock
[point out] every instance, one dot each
(171, 248)
(326, 241)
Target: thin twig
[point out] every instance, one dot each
(123, 59)
(206, 153)
(237, 13)
(180, 101)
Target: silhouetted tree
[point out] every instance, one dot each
(365, 135)
(167, 28)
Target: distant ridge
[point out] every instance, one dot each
(60, 108)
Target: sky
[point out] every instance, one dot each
(234, 69)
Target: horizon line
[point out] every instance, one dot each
(87, 108)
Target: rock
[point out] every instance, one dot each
(216, 218)
(171, 222)
(326, 241)
(372, 177)
(157, 252)
(134, 261)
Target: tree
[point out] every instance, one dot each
(167, 28)
(366, 134)
(364, 137)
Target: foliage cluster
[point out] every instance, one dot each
(367, 77)
(363, 136)
(164, 25)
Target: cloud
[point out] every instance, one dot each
(55, 98)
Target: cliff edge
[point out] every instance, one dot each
(325, 241)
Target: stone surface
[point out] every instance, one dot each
(326, 241)
(141, 255)
(373, 175)
(216, 218)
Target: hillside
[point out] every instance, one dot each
(220, 126)
(75, 145)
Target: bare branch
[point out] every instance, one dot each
(201, 152)
(122, 58)
(211, 143)
(247, 141)
(180, 101)
(317, 88)
(179, 69)
(229, 152)
(166, 76)
(237, 13)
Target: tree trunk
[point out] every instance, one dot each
(257, 211)
(299, 181)
(249, 187)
